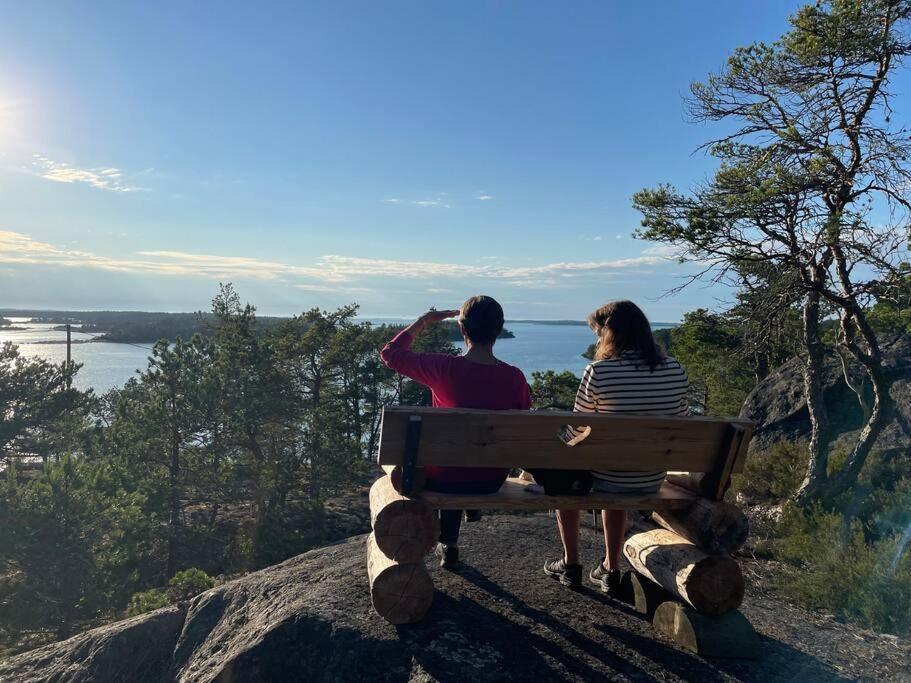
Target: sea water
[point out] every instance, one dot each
(106, 365)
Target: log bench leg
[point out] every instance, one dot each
(405, 530)
(401, 592)
(730, 635)
(646, 595)
(711, 584)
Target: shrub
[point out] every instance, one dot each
(184, 585)
(147, 601)
(830, 564)
(774, 474)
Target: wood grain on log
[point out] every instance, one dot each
(406, 529)
(401, 593)
(713, 525)
(711, 584)
(729, 635)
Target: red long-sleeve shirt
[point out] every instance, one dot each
(456, 382)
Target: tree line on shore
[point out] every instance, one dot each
(144, 327)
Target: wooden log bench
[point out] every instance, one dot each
(687, 554)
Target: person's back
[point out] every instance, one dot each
(476, 380)
(630, 375)
(626, 384)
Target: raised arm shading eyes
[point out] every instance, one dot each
(422, 367)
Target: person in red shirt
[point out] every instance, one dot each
(477, 379)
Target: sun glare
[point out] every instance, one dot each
(12, 118)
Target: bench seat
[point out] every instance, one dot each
(519, 494)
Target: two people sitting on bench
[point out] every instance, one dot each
(476, 379)
(630, 375)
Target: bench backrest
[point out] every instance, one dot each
(417, 436)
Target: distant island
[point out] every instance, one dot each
(143, 327)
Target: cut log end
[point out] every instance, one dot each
(401, 593)
(405, 528)
(730, 635)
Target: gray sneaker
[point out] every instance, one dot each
(568, 574)
(597, 573)
(607, 579)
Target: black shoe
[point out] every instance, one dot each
(610, 583)
(567, 574)
(449, 556)
(472, 515)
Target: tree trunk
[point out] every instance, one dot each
(173, 489)
(880, 410)
(818, 462)
(761, 366)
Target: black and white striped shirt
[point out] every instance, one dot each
(626, 385)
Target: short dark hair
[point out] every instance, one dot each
(482, 319)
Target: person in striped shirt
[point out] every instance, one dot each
(630, 375)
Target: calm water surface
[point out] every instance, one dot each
(106, 365)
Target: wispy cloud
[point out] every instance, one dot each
(484, 197)
(100, 178)
(437, 201)
(328, 273)
(332, 289)
(17, 248)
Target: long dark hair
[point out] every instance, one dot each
(622, 326)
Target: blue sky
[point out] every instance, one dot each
(397, 154)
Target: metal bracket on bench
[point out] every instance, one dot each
(410, 459)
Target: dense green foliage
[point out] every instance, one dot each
(833, 562)
(553, 390)
(850, 559)
(220, 456)
(182, 586)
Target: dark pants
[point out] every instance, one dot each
(451, 520)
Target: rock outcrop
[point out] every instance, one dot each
(778, 407)
(310, 618)
(137, 649)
